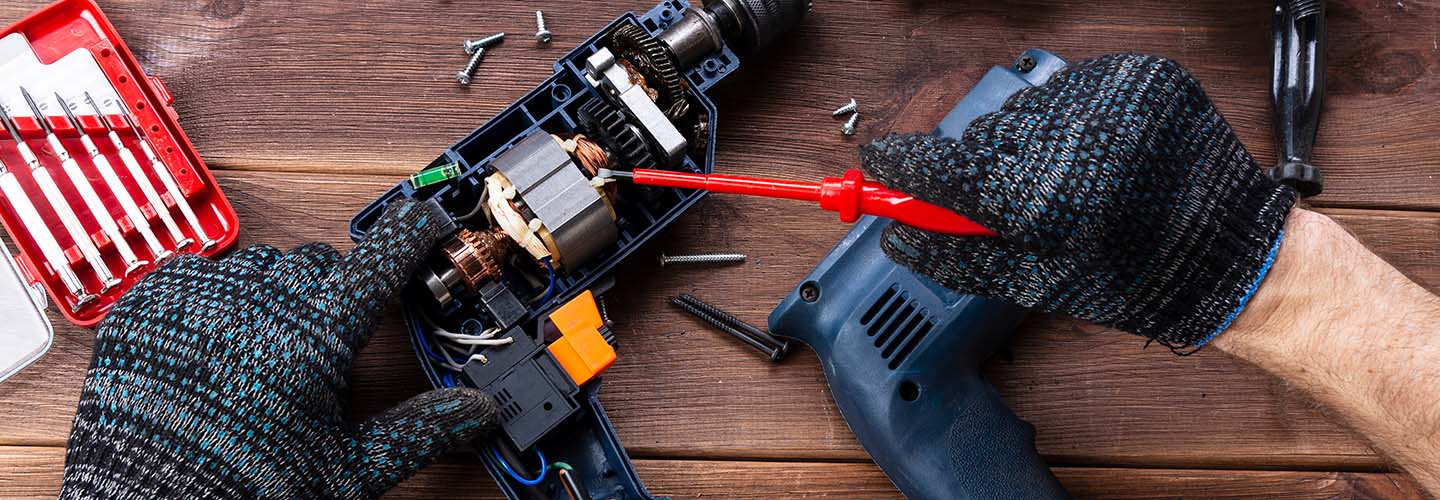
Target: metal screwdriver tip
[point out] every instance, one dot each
(35, 108)
(98, 113)
(9, 125)
(68, 114)
(605, 173)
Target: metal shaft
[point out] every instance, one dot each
(117, 188)
(81, 183)
(51, 190)
(709, 258)
(163, 172)
(137, 174)
(43, 238)
(737, 323)
(770, 351)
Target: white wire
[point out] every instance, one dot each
(486, 338)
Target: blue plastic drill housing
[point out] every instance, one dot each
(902, 354)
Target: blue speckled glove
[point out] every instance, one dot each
(227, 380)
(1121, 196)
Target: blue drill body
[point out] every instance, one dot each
(902, 354)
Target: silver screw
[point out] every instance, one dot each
(848, 108)
(706, 258)
(541, 34)
(849, 127)
(473, 45)
(464, 75)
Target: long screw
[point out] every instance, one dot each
(464, 75)
(473, 45)
(772, 352)
(57, 200)
(707, 258)
(40, 233)
(846, 109)
(737, 323)
(541, 34)
(163, 172)
(127, 203)
(137, 173)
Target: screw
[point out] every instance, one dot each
(473, 45)
(1025, 64)
(773, 348)
(706, 258)
(541, 34)
(810, 292)
(849, 127)
(464, 75)
(848, 108)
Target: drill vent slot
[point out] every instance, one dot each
(509, 408)
(897, 325)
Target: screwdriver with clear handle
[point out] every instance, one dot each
(163, 172)
(137, 173)
(62, 207)
(107, 172)
(40, 233)
(98, 210)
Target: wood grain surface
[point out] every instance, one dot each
(308, 110)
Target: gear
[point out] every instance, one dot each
(607, 125)
(656, 64)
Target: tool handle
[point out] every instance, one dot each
(1297, 90)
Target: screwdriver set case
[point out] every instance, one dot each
(99, 154)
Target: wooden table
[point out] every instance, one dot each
(308, 110)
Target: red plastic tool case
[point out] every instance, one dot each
(53, 32)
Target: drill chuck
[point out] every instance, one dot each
(746, 24)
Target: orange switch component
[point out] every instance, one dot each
(581, 350)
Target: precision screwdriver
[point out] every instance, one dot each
(137, 173)
(98, 211)
(49, 248)
(62, 207)
(850, 195)
(127, 203)
(163, 173)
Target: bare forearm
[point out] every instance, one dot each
(1338, 322)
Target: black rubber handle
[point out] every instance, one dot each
(1297, 91)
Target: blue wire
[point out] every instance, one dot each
(515, 475)
(549, 289)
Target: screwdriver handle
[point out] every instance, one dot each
(851, 196)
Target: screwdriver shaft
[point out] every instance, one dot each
(118, 189)
(98, 210)
(163, 173)
(137, 174)
(43, 238)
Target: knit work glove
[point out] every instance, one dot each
(1121, 196)
(227, 380)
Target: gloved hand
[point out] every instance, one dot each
(1120, 194)
(227, 380)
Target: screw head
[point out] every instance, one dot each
(810, 292)
(471, 46)
(1025, 64)
(543, 36)
(463, 78)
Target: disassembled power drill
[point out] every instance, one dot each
(902, 354)
(508, 302)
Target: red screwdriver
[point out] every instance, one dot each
(850, 195)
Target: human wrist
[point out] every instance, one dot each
(1293, 288)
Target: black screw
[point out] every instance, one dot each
(774, 348)
(1025, 64)
(810, 292)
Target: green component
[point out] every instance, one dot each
(561, 465)
(432, 176)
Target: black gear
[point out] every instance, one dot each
(656, 64)
(607, 125)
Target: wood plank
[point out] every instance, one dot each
(32, 473)
(316, 86)
(680, 390)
